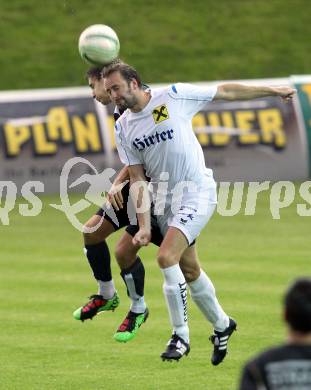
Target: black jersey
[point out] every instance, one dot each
(287, 367)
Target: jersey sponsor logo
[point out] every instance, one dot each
(147, 141)
(160, 114)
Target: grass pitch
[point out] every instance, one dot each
(44, 276)
(166, 40)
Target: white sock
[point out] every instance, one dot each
(138, 304)
(175, 292)
(203, 294)
(106, 289)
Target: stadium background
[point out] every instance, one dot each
(44, 275)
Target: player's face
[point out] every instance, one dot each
(122, 93)
(98, 90)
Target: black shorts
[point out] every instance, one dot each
(122, 214)
(123, 219)
(156, 235)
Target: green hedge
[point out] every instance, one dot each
(166, 40)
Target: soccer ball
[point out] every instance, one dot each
(99, 45)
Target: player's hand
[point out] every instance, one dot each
(142, 237)
(114, 196)
(286, 93)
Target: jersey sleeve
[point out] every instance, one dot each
(127, 155)
(191, 98)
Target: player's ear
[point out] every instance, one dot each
(134, 84)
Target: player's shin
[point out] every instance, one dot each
(175, 292)
(98, 256)
(203, 294)
(134, 279)
(107, 298)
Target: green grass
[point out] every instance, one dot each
(44, 276)
(166, 40)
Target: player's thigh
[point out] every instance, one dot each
(172, 247)
(189, 264)
(107, 221)
(126, 251)
(97, 229)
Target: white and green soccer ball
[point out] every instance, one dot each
(99, 45)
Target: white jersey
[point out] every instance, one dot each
(161, 138)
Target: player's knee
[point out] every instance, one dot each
(120, 253)
(124, 256)
(191, 272)
(166, 259)
(92, 238)
(91, 233)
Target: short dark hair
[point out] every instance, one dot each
(97, 71)
(298, 305)
(94, 72)
(126, 71)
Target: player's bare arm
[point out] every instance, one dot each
(139, 192)
(236, 91)
(114, 196)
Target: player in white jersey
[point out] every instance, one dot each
(98, 254)
(155, 134)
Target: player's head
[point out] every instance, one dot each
(298, 306)
(123, 84)
(96, 83)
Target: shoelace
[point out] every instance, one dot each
(128, 322)
(173, 341)
(92, 304)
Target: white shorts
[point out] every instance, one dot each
(192, 213)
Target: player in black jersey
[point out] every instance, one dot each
(97, 251)
(287, 367)
(96, 248)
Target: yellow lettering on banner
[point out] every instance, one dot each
(271, 124)
(244, 121)
(87, 136)
(111, 122)
(199, 121)
(41, 144)
(15, 137)
(307, 89)
(59, 125)
(221, 139)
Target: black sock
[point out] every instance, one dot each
(134, 279)
(98, 256)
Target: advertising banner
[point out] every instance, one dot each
(40, 130)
